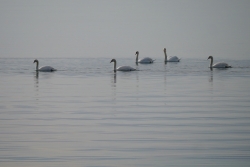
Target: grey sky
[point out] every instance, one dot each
(117, 28)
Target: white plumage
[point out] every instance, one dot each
(217, 65)
(121, 68)
(44, 68)
(145, 60)
(170, 58)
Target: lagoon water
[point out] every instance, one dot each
(175, 114)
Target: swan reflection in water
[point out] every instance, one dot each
(114, 81)
(211, 75)
(36, 77)
(36, 85)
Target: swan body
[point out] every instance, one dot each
(44, 68)
(121, 68)
(145, 60)
(217, 65)
(170, 58)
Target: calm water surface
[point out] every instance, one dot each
(174, 114)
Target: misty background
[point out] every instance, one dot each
(115, 29)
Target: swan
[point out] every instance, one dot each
(144, 60)
(121, 68)
(44, 68)
(217, 65)
(171, 58)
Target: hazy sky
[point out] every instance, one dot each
(118, 28)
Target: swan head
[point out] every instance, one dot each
(113, 60)
(210, 57)
(137, 52)
(164, 49)
(35, 61)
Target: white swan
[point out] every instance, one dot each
(144, 60)
(44, 68)
(171, 58)
(121, 68)
(217, 65)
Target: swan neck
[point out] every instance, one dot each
(37, 65)
(114, 66)
(165, 53)
(137, 55)
(211, 62)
